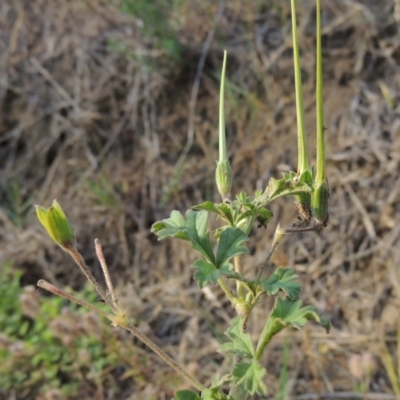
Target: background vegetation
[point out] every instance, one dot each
(99, 110)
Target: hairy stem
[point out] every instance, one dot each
(228, 292)
(62, 293)
(100, 257)
(77, 257)
(241, 293)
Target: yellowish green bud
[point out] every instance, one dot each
(57, 225)
(320, 197)
(223, 178)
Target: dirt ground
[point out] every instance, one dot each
(106, 118)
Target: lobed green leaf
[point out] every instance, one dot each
(230, 245)
(288, 313)
(205, 273)
(223, 210)
(193, 229)
(289, 185)
(282, 279)
(240, 344)
(249, 376)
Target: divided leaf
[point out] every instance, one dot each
(230, 245)
(174, 226)
(222, 210)
(306, 177)
(249, 377)
(193, 229)
(205, 273)
(291, 313)
(282, 279)
(253, 208)
(207, 206)
(289, 185)
(241, 344)
(288, 313)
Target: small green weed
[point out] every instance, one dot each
(14, 202)
(45, 345)
(157, 21)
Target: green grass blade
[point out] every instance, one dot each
(303, 163)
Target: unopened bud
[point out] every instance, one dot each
(57, 225)
(320, 197)
(223, 178)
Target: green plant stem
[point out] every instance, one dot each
(238, 261)
(265, 338)
(320, 170)
(221, 129)
(303, 163)
(228, 292)
(398, 350)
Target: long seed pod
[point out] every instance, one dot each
(303, 201)
(320, 193)
(223, 172)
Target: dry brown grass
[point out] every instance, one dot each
(103, 133)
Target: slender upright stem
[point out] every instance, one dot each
(320, 172)
(100, 257)
(228, 292)
(221, 130)
(398, 350)
(238, 261)
(77, 257)
(303, 163)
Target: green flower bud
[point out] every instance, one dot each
(320, 197)
(57, 225)
(223, 178)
